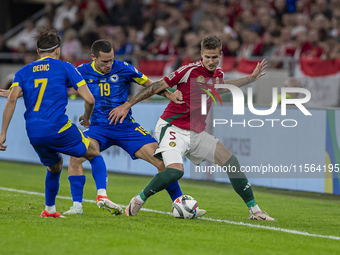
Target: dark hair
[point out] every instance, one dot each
(48, 40)
(211, 43)
(101, 45)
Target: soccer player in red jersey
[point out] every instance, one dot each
(180, 131)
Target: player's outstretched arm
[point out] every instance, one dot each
(6, 92)
(120, 112)
(257, 73)
(8, 113)
(175, 96)
(85, 93)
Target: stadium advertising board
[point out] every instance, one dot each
(309, 148)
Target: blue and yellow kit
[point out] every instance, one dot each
(44, 84)
(111, 90)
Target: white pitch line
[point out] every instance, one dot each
(208, 219)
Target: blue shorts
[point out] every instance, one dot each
(71, 142)
(129, 136)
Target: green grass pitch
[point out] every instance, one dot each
(22, 231)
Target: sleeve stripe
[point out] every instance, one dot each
(81, 83)
(141, 80)
(14, 85)
(185, 78)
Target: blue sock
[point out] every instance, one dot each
(99, 171)
(77, 183)
(51, 187)
(174, 190)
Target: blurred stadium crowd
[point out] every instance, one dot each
(151, 28)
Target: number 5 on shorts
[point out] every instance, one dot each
(43, 83)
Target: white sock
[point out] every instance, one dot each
(78, 204)
(101, 192)
(254, 209)
(139, 198)
(50, 209)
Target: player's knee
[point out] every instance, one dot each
(93, 150)
(75, 166)
(91, 153)
(160, 165)
(221, 154)
(177, 166)
(76, 161)
(61, 161)
(60, 164)
(174, 174)
(57, 167)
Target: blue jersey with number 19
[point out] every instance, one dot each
(44, 84)
(110, 90)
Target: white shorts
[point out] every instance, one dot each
(197, 147)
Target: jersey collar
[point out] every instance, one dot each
(44, 58)
(94, 68)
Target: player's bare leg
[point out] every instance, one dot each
(239, 181)
(51, 190)
(159, 182)
(146, 153)
(77, 181)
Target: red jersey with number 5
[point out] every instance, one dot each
(192, 80)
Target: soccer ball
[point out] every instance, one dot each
(185, 207)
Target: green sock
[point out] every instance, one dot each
(251, 203)
(142, 195)
(160, 181)
(239, 181)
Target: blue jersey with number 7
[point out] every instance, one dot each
(44, 84)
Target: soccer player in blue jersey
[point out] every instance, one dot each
(44, 85)
(108, 80)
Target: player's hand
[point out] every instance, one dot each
(257, 73)
(4, 92)
(84, 121)
(176, 97)
(119, 113)
(2, 141)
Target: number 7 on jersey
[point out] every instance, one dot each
(43, 83)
